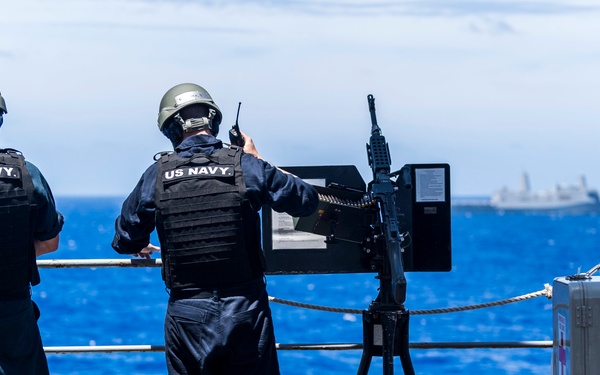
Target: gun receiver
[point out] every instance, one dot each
(384, 193)
(235, 136)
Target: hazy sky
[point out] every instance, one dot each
(494, 88)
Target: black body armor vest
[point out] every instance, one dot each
(208, 232)
(17, 265)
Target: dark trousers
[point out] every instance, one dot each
(230, 335)
(21, 350)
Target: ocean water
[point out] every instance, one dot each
(494, 257)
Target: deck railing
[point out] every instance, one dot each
(116, 263)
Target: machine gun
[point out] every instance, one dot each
(383, 191)
(387, 311)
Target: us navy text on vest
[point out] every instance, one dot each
(208, 171)
(9, 172)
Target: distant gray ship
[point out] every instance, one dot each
(569, 199)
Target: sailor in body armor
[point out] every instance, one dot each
(29, 227)
(204, 200)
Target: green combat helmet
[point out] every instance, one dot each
(182, 96)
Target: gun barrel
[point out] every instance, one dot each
(374, 127)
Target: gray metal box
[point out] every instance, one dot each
(576, 326)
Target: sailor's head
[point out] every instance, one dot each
(185, 108)
(2, 109)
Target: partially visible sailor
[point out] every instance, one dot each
(29, 227)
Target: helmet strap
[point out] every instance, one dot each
(196, 123)
(193, 123)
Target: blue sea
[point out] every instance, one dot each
(495, 257)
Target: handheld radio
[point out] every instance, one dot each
(235, 136)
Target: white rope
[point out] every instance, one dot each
(547, 291)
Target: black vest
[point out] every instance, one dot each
(209, 234)
(17, 265)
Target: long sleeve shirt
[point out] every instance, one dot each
(266, 186)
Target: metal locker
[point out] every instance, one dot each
(576, 325)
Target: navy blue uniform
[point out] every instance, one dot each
(21, 350)
(219, 330)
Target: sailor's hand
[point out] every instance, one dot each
(146, 252)
(249, 147)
